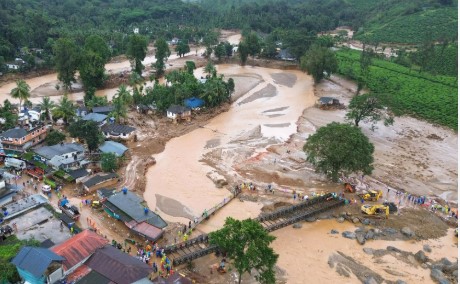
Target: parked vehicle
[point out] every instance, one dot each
(68, 209)
(15, 163)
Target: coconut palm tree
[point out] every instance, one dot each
(65, 109)
(47, 105)
(21, 92)
(124, 94)
(119, 109)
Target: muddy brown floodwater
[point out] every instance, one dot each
(179, 175)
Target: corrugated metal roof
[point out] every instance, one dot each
(118, 266)
(99, 179)
(102, 109)
(59, 149)
(97, 117)
(114, 128)
(94, 278)
(79, 247)
(35, 260)
(151, 232)
(113, 147)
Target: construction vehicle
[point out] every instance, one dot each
(375, 209)
(372, 195)
(351, 188)
(392, 206)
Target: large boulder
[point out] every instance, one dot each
(427, 248)
(355, 220)
(438, 276)
(389, 231)
(311, 219)
(297, 226)
(406, 231)
(399, 281)
(393, 249)
(360, 238)
(333, 231)
(369, 235)
(420, 256)
(349, 235)
(368, 251)
(370, 280)
(340, 219)
(366, 221)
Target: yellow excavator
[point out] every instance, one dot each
(372, 195)
(375, 209)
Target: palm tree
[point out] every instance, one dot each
(124, 94)
(21, 92)
(119, 109)
(47, 105)
(65, 109)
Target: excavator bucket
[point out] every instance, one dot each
(349, 188)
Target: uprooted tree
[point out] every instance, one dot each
(368, 108)
(247, 244)
(339, 149)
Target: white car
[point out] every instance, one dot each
(46, 188)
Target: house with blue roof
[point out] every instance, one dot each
(38, 265)
(96, 117)
(193, 102)
(113, 147)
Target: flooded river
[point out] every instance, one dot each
(269, 105)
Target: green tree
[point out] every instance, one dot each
(320, 62)
(339, 148)
(219, 51)
(54, 137)
(109, 162)
(253, 44)
(297, 41)
(10, 118)
(96, 102)
(21, 92)
(66, 58)
(228, 49)
(65, 110)
(162, 53)
(247, 244)
(365, 61)
(120, 110)
(124, 94)
(182, 48)
(136, 51)
(368, 108)
(97, 44)
(210, 68)
(47, 105)
(87, 131)
(190, 66)
(92, 69)
(243, 51)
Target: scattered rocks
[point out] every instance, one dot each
(366, 221)
(360, 238)
(438, 276)
(391, 248)
(369, 235)
(355, 220)
(311, 219)
(349, 235)
(406, 231)
(368, 251)
(427, 248)
(420, 256)
(370, 280)
(389, 231)
(340, 219)
(297, 226)
(333, 231)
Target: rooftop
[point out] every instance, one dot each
(113, 147)
(326, 100)
(102, 109)
(97, 117)
(14, 133)
(118, 266)
(79, 247)
(177, 109)
(49, 152)
(117, 128)
(99, 179)
(78, 173)
(35, 260)
(130, 204)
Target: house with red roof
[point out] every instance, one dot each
(78, 249)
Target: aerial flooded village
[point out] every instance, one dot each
(202, 141)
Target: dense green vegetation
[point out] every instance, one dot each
(8, 249)
(407, 91)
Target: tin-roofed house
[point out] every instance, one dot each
(126, 206)
(99, 118)
(78, 249)
(114, 130)
(177, 113)
(63, 155)
(38, 265)
(113, 147)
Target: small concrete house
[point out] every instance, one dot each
(99, 118)
(177, 113)
(114, 130)
(63, 155)
(19, 139)
(38, 265)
